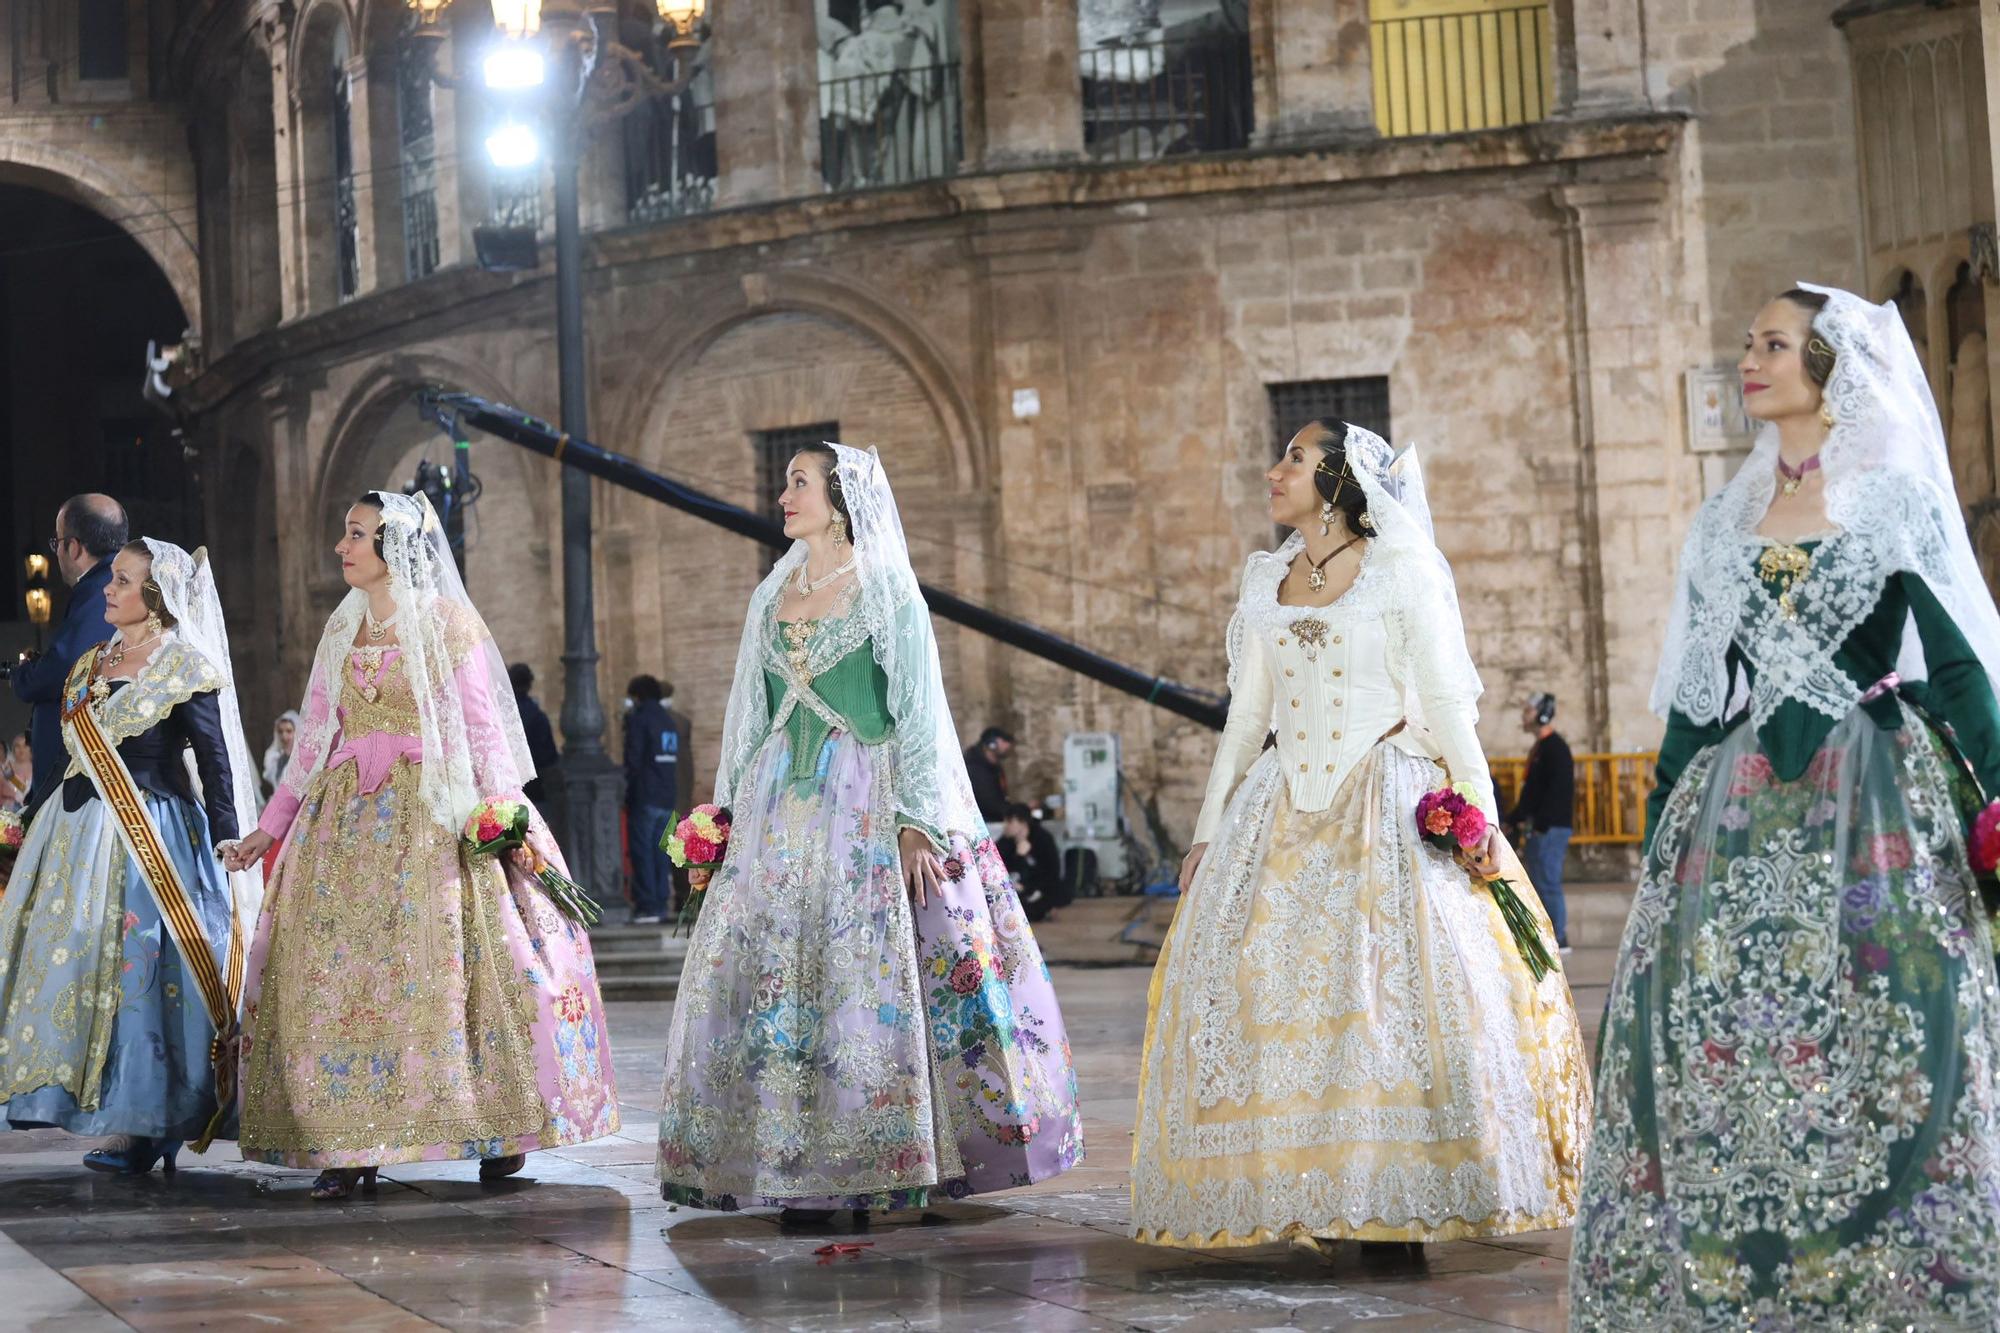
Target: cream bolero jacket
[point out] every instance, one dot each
(1335, 681)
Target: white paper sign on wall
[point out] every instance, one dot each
(1027, 404)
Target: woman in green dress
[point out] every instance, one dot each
(1796, 1095)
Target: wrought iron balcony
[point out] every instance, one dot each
(890, 129)
(1150, 101)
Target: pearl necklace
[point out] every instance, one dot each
(378, 630)
(807, 587)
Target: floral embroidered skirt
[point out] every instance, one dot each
(1342, 1040)
(834, 1045)
(104, 1028)
(1796, 1116)
(405, 1003)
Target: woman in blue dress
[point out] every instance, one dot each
(121, 949)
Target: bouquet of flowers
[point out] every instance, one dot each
(501, 826)
(698, 842)
(1983, 846)
(1449, 820)
(12, 834)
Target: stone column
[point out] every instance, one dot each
(378, 177)
(1600, 57)
(285, 118)
(1635, 482)
(1312, 69)
(766, 101)
(1031, 108)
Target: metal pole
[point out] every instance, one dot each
(592, 787)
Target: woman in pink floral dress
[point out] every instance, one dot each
(407, 1002)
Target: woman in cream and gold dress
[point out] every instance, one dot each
(1343, 1041)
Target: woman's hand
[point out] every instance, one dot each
(1191, 863)
(923, 873)
(247, 852)
(1484, 860)
(699, 876)
(525, 859)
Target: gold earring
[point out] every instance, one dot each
(839, 529)
(154, 627)
(1325, 517)
(1826, 416)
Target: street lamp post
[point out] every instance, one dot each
(37, 595)
(591, 786)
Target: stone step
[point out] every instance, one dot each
(659, 985)
(666, 959)
(1597, 912)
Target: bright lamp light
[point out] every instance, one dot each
(514, 66)
(518, 18)
(513, 145)
(682, 14)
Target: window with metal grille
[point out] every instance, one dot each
(775, 449)
(1361, 402)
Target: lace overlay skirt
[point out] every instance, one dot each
(1796, 1122)
(834, 1045)
(1343, 1042)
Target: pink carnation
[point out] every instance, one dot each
(489, 828)
(1986, 840)
(700, 850)
(1470, 826)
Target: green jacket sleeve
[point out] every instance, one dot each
(1959, 692)
(1683, 741)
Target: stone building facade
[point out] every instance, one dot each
(1071, 333)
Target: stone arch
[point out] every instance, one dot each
(318, 85)
(164, 232)
(842, 301)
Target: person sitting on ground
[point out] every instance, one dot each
(1029, 851)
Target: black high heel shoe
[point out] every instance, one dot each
(499, 1168)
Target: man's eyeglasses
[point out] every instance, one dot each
(56, 543)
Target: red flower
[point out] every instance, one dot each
(966, 975)
(1985, 847)
(954, 869)
(1470, 826)
(700, 851)
(489, 828)
(1890, 851)
(1753, 774)
(572, 1006)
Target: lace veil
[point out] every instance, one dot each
(437, 632)
(1889, 494)
(888, 612)
(1419, 596)
(187, 587)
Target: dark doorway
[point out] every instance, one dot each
(79, 299)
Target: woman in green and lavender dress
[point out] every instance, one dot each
(865, 1020)
(1797, 1088)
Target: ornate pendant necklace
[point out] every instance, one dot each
(118, 654)
(1316, 580)
(1795, 475)
(807, 587)
(378, 630)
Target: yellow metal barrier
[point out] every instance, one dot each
(1449, 66)
(1611, 791)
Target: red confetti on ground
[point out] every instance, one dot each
(828, 1253)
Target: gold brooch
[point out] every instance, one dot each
(1312, 636)
(1785, 566)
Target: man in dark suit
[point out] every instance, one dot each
(89, 531)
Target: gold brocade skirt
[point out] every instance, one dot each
(1342, 1040)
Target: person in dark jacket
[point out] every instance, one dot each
(658, 782)
(1547, 809)
(535, 725)
(1029, 851)
(90, 529)
(989, 780)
